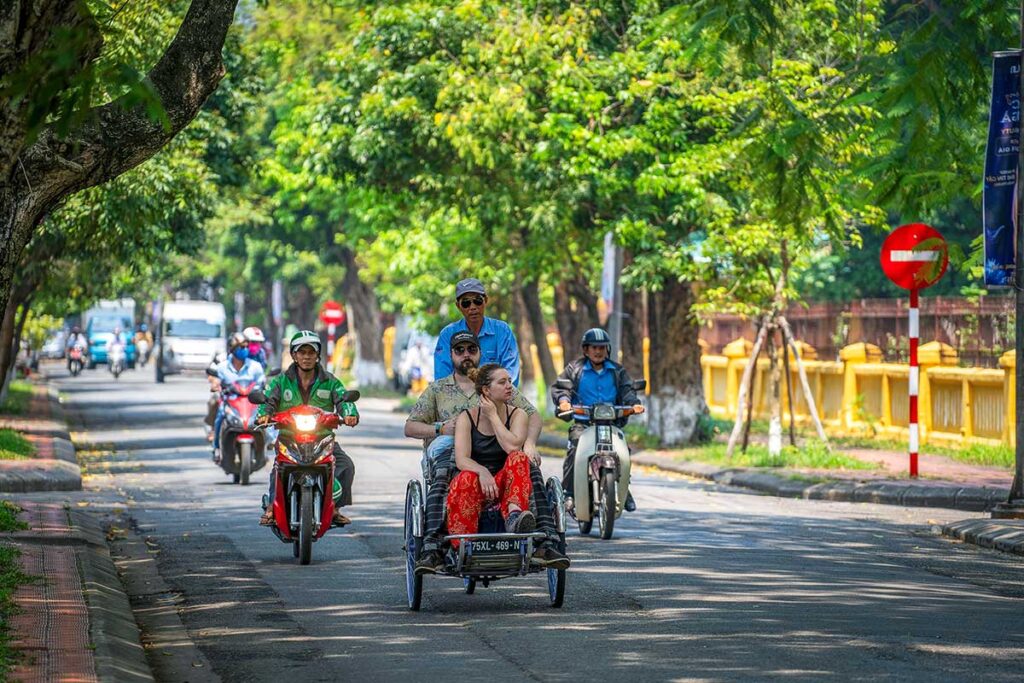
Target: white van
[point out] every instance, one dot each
(193, 335)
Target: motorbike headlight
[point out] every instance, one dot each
(604, 412)
(305, 423)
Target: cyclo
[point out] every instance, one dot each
(489, 555)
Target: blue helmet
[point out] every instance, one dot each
(595, 336)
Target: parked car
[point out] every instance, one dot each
(54, 345)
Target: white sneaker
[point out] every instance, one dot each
(216, 456)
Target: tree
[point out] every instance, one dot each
(54, 141)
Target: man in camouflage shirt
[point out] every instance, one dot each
(433, 420)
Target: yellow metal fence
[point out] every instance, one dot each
(861, 394)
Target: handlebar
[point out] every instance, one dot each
(621, 411)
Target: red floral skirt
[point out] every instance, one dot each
(466, 499)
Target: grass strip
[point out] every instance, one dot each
(811, 456)
(11, 577)
(14, 446)
(19, 393)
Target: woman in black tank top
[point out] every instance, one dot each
(488, 451)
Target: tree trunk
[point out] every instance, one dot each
(812, 406)
(528, 384)
(677, 394)
(38, 171)
(575, 313)
(774, 404)
(531, 301)
(745, 384)
(633, 333)
(9, 329)
(363, 321)
(787, 373)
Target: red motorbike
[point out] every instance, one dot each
(76, 360)
(241, 444)
(303, 492)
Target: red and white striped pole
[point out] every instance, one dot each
(913, 383)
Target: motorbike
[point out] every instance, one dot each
(116, 359)
(241, 444)
(142, 351)
(76, 360)
(602, 467)
(303, 501)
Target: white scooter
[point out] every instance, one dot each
(116, 359)
(601, 471)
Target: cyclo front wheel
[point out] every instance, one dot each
(413, 543)
(606, 505)
(305, 525)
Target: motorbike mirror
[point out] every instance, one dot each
(274, 373)
(350, 397)
(563, 383)
(639, 384)
(257, 397)
(211, 372)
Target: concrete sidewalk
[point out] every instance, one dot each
(75, 623)
(54, 468)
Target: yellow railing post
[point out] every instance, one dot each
(932, 354)
(1008, 362)
(853, 355)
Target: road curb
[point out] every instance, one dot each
(1004, 535)
(974, 499)
(119, 654)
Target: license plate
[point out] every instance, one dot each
(497, 546)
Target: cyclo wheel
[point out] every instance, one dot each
(295, 548)
(585, 527)
(606, 505)
(470, 585)
(305, 525)
(556, 579)
(413, 583)
(245, 463)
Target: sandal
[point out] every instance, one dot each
(267, 518)
(340, 519)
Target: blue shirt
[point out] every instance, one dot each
(497, 345)
(251, 371)
(596, 386)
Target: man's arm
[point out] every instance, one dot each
(558, 394)
(627, 394)
(273, 396)
(420, 424)
(442, 354)
(341, 407)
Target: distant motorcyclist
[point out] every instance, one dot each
(595, 379)
(255, 339)
(237, 367)
(306, 382)
(143, 343)
(76, 339)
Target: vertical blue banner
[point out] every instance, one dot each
(999, 214)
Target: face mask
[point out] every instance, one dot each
(254, 349)
(241, 353)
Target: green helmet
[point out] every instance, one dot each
(303, 338)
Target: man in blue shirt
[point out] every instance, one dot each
(595, 379)
(497, 341)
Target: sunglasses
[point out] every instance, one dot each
(467, 302)
(461, 349)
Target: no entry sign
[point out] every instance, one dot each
(914, 256)
(331, 313)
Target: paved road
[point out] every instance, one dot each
(699, 584)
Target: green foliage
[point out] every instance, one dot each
(19, 394)
(813, 455)
(11, 577)
(9, 517)
(14, 446)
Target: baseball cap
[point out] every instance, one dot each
(463, 337)
(469, 286)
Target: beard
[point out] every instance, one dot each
(465, 366)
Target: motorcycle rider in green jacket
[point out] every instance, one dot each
(306, 382)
